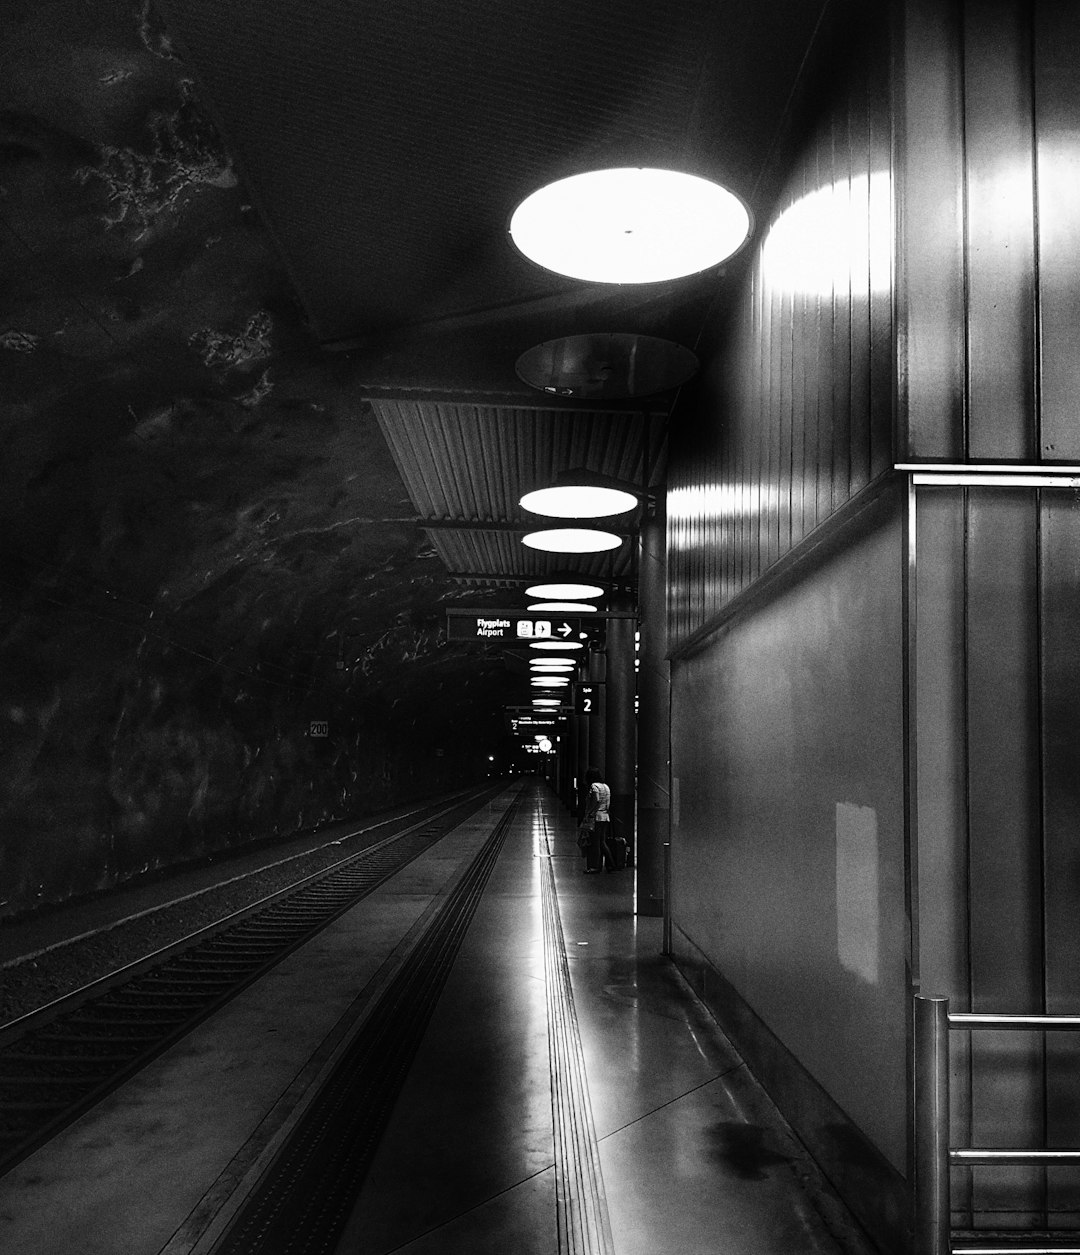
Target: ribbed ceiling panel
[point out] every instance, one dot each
(474, 463)
(501, 553)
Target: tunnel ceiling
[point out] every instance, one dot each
(260, 314)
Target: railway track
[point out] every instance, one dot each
(58, 1061)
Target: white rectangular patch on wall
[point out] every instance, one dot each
(857, 911)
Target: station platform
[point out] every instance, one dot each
(565, 1091)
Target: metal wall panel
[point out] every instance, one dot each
(794, 415)
(930, 296)
(1057, 132)
(988, 124)
(1000, 243)
(787, 752)
(1004, 890)
(998, 705)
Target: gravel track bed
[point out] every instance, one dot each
(30, 983)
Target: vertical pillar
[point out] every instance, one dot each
(596, 741)
(621, 732)
(654, 723)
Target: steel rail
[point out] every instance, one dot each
(69, 1055)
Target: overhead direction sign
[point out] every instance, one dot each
(502, 627)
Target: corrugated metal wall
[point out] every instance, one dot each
(795, 416)
(989, 339)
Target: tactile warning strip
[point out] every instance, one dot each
(584, 1227)
(304, 1199)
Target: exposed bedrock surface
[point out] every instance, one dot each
(204, 542)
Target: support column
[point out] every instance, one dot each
(596, 741)
(654, 718)
(621, 732)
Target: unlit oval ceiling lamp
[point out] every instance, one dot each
(578, 607)
(630, 225)
(606, 366)
(555, 645)
(565, 589)
(571, 540)
(579, 501)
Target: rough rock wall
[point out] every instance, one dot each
(204, 543)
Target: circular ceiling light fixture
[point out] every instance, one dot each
(572, 540)
(549, 681)
(578, 607)
(630, 225)
(579, 501)
(552, 662)
(546, 701)
(566, 589)
(555, 645)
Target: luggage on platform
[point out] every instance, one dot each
(617, 846)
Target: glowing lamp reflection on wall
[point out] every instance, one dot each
(630, 225)
(572, 540)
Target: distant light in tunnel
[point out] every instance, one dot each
(579, 501)
(571, 540)
(629, 225)
(577, 607)
(555, 645)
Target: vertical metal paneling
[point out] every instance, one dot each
(1004, 835)
(941, 774)
(1057, 93)
(931, 283)
(1060, 613)
(785, 425)
(1000, 230)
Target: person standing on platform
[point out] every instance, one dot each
(597, 822)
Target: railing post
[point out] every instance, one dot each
(667, 899)
(932, 1202)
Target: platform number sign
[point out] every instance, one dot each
(587, 698)
(319, 727)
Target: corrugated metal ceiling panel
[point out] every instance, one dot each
(474, 463)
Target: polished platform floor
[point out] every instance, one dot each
(568, 1094)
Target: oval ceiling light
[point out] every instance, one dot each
(555, 645)
(578, 607)
(552, 662)
(579, 501)
(572, 540)
(566, 589)
(546, 701)
(549, 682)
(630, 225)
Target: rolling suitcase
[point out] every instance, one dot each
(617, 846)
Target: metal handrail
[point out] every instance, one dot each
(933, 1156)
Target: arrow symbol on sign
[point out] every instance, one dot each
(564, 629)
